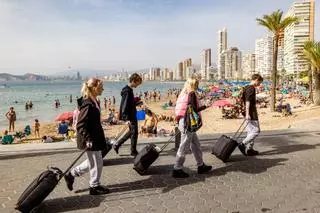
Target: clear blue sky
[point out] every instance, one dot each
(48, 36)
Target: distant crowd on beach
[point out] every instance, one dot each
(208, 94)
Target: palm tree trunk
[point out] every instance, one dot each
(316, 91)
(310, 78)
(274, 73)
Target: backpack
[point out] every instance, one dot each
(181, 105)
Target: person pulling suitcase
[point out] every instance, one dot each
(128, 113)
(189, 138)
(90, 137)
(251, 115)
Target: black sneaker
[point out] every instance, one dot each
(69, 180)
(116, 148)
(242, 149)
(204, 169)
(99, 190)
(179, 173)
(252, 152)
(134, 153)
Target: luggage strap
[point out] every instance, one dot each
(243, 126)
(72, 164)
(171, 139)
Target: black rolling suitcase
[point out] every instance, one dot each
(41, 187)
(148, 155)
(225, 145)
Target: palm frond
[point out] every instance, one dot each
(311, 50)
(288, 21)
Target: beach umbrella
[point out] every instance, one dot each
(64, 116)
(236, 94)
(221, 103)
(215, 89)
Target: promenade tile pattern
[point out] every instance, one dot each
(284, 178)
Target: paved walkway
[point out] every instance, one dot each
(284, 178)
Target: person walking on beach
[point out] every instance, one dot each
(128, 113)
(37, 128)
(105, 103)
(12, 117)
(251, 116)
(90, 136)
(189, 139)
(113, 101)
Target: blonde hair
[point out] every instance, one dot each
(88, 86)
(191, 84)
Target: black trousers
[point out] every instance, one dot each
(133, 134)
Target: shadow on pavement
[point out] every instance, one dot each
(38, 153)
(69, 204)
(254, 166)
(278, 150)
(284, 145)
(159, 176)
(117, 161)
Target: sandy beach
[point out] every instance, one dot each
(212, 120)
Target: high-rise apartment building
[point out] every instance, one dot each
(186, 63)
(232, 60)
(263, 55)
(170, 76)
(179, 72)
(166, 74)
(222, 47)
(154, 73)
(248, 65)
(297, 34)
(205, 63)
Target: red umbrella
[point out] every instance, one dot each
(64, 116)
(215, 89)
(221, 103)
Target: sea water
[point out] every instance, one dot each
(44, 93)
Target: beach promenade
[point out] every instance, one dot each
(284, 178)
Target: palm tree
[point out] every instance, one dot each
(311, 50)
(276, 24)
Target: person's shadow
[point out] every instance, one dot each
(159, 176)
(285, 145)
(66, 204)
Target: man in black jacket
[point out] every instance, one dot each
(128, 113)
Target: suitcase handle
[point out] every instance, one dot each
(171, 139)
(72, 164)
(121, 132)
(244, 124)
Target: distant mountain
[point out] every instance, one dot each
(28, 76)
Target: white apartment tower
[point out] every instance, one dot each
(263, 55)
(222, 47)
(205, 63)
(231, 59)
(248, 65)
(297, 34)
